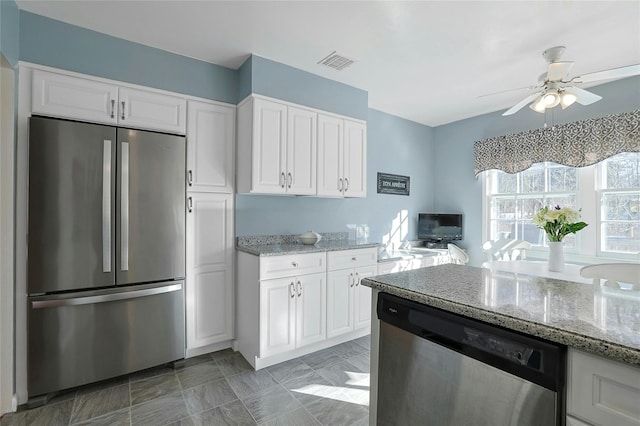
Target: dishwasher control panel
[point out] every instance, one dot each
(505, 348)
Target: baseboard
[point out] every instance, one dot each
(192, 352)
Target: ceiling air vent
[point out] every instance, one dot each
(336, 61)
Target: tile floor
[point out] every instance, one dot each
(329, 387)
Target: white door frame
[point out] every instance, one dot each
(7, 152)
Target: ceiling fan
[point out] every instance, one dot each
(555, 88)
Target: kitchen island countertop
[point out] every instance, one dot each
(603, 321)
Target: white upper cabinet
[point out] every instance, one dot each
(277, 148)
(69, 96)
(342, 157)
(330, 156)
(301, 151)
(289, 149)
(210, 146)
(151, 110)
(72, 97)
(355, 159)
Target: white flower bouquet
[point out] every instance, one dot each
(558, 222)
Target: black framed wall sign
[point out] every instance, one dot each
(393, 184)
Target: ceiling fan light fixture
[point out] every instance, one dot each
(538, 105)
(551, 98)
(567, 99)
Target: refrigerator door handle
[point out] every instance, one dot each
(89, 300)
(106, 206)
(124, 209)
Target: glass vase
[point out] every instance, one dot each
(556, 256)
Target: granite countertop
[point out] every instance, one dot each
(603, 321)
(278, 245)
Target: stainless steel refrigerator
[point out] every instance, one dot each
(106, 252)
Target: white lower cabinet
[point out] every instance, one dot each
(601, 391)
(286, 304)
(209, 278)
(348, 302)
(292, 313)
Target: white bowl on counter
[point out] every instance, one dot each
(309, 238)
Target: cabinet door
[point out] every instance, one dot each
(209, 281)
(362, 297)
(60, 95)
(151, 110)
(330, 156)
(268, 172)
(210, 142)
(277, 316)
(301, 151)
(340, 302)
(311, 292)
(355, 159)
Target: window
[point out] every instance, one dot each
(608, 194)
(619, 179)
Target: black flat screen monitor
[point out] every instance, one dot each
(439, 226)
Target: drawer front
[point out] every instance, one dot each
(602, 391)
(344, 259)
(292, 265)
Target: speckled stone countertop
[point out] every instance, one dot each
(278, 245)
(598, 320)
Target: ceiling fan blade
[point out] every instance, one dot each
(608, 74)
(584, 97)
(558, 70)
(510, 90)
(517, 107)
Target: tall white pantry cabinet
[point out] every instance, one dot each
(210, 249)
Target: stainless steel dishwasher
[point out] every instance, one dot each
(438, 368)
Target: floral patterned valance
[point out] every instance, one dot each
(577, 144)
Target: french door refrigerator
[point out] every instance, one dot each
(106, 252)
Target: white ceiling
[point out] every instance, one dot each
(426, 61)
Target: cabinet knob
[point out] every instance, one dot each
(289, 179)
(292, 290)
(282, 179)
(346, 184)
(294, 264)
(190, 178)
(113, 108)
(351, 280)
(357, 279)
(122, 116)
(190, 204)
(340, 184)
(299, 289)
(354, 259)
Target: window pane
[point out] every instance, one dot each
(532, 180)
(503, 209)
(528, 207)
(623, 171)
(529, 232)
(621, 237)
(507, 183)
(501, 229)
(621, 206)
(562, 201)
(563, 179)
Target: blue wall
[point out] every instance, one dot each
(57, 44)
(281, 81)
(457, 189)
(395, 146)
(9, 30)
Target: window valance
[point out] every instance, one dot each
(578, 144)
